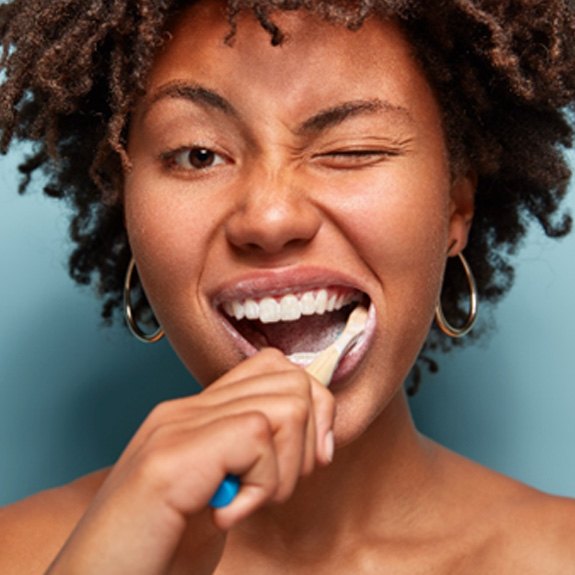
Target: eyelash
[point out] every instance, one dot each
(338, 159)
(359, 158)
(170, 158)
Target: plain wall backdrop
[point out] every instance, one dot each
(72, 392)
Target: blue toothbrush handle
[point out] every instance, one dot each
(226, 492)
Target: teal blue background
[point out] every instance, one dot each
(72, 392)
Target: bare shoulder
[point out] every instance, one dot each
(508, 526)
(540, 530)
(33, 530)
(529, 533)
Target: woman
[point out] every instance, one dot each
(265, 160)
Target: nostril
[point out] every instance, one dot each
(296, 243)
(265, 228)
(272, 249)
(252, 247)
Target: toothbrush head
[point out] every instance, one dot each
(325, 363)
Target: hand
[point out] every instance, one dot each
(266, 421)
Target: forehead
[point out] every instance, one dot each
(319, 65)
(313, 49)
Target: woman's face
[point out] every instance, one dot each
(271, 180)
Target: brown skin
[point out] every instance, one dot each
(505, 527)
(276, 202)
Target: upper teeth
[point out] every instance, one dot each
(289, 307)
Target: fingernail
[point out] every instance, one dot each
(329, 446)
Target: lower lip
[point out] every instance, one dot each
(244, 346)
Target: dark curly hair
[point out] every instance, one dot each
(503, 72)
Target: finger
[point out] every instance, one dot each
(269, 393)
(270, 360)
(325, 414)
(292, 415)
(298, 453)
(184, 467)
(290, 420)
(287, 401)
(260, 481)
(265, 360)
(193, 407)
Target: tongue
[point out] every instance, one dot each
(308, 334)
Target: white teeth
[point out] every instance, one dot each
(238, 308)
(345, 299)
(331, 303)
(290, 307)
(303, 358)
(321, 302)
(252, 309)
(307, 303)
(269, 310)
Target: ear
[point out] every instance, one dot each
(462, 208)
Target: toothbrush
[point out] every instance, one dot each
(325, 363)
(322, 368)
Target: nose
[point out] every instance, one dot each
(273, 215)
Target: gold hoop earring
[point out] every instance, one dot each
(440, 320)
(129, 315)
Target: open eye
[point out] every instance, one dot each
(195, 158)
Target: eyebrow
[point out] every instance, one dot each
(332, 117)
(319, 122)
(194, 93)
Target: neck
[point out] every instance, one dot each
(376, 482)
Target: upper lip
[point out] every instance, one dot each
(279, 282)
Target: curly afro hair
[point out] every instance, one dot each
(503, 72)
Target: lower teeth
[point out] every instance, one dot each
(303, 357)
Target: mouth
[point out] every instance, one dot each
(298, 323)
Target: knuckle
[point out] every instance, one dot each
(271, 357)
(160, 413)
(297, 410)
(155, 468)
(256, 425)
(301, 381)
(159, 456)
(297, 382)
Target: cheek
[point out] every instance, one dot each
(167, 237)
(399, 226)
(170, 240)
(400, 230)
